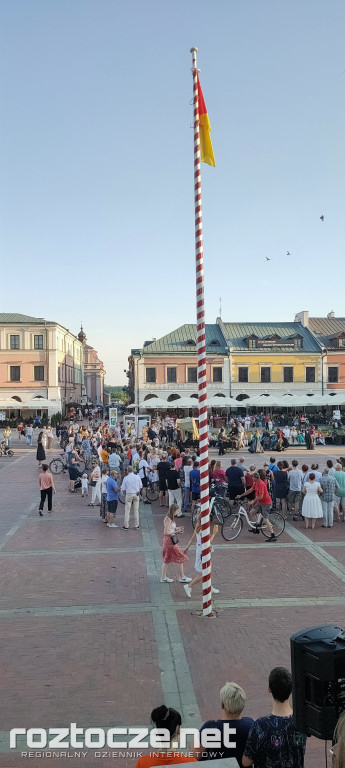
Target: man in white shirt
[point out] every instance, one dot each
(131, 485)
(295, 489)
(29, 433)
(287, 432)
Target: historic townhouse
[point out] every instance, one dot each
(39, 359)
(330, 333)
(243, 359)
(167, 367)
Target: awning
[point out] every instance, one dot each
(10, 403)
(39, 403)
(224, 402)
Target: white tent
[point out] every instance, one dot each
(39, 403)
(154, 402)
(10, 403)
(263, 401)
(224, 402)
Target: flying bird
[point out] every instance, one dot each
(322, 217)
(288, 253)
(267, 259)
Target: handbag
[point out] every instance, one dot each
(174, 538)
(92, 483)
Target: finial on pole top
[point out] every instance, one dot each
(194, 50)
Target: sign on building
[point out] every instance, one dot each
(2, 415)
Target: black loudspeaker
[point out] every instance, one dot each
(318, 679)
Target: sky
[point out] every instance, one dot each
(96, 163)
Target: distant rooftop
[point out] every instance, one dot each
(237, 333)
(326, 328)
(15, 317)
(184, 339)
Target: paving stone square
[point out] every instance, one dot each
(89, 634)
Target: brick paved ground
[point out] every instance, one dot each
(89, 635)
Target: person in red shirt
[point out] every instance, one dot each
(261, 503)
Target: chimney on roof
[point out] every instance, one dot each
(330, 315)
(302, 317)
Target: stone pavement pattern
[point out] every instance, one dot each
(89, 635)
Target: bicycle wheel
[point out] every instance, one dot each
(56, 466)
(81, 466)
(195, 514)
(217, 510)
(224, 506)
(122, 496)
(232, 527)
(277, 522)
(151, 492)
(10, 453)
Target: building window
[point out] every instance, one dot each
(192, 375)
(310, 374)
(298, 342)
(333, 374)
(14, 342)
(150, 375)
(171, 375)
(243, 375)
(38, 342)
(39, 372)
(15, 372)
(217, 374)
(252, 343)
(288, 374)
(265, 375)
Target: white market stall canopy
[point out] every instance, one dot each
(259, 401)
(39, 402)
(10, 403)
(153, 402)
(224, 402)
(263, 401)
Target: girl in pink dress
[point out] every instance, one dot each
(172, 552)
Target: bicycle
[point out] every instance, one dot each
(233, 524)
(151, 493)
(58, 465)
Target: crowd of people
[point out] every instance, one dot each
(271, 741)
(236, 437)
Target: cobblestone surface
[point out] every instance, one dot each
(89, 635)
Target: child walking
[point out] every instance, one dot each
(171, 551)
(198, 563)
(84, 485)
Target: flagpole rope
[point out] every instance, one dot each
(201, 347)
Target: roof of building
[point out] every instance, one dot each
(184, 339)
(15, 317)
(326, 328)
(237, 333)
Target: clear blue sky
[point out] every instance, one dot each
(96, 163)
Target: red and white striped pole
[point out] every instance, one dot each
(201, 342)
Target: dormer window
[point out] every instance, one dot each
(214, 343)
(190, 343)
(252, 341)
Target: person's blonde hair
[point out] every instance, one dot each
(233, 698)
(172, 509)
(339, 740)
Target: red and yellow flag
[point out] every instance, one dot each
(206, 149)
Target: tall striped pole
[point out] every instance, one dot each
(201, 343)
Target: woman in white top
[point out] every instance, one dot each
(312, 507)
(96, 489)
(172, 552)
